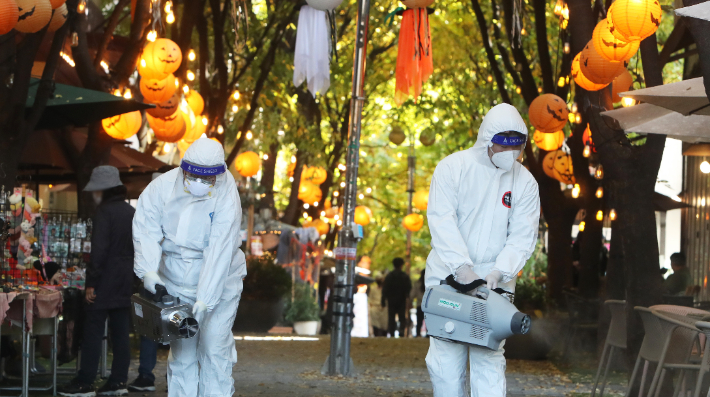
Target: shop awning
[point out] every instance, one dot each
(651, 119)
(700, 11)
(686, 97)
(78, 106)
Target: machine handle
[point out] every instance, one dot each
(465, 288)
(160, 291)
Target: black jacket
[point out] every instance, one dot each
(396, 288)
(110, 271)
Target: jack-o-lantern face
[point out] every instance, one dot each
(597, 69)
(413, 222)
(123, 126)
(59, 16)
(33, 15)
(548, 113)
(159, 59)
(558, 165)
(167, 108)
(581, 80)
(168, 129)
(610, 47)
(157, 91)
(634, 20)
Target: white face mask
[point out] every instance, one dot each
(505, 160)
(97, 197)
(197, 188)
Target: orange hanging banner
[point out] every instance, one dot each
(414, 56)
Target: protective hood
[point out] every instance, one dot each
(206, 156)
(500, 118)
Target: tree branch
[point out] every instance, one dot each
(548, 83)
(112, 22)
(126, 64)
(485, 39)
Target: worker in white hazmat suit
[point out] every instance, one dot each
(483, 214)
(186, 237)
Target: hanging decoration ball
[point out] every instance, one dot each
(195, 101)
(362, 215)
(167, 108)
(8, 15)
(57, 3)
(397, 135)
(417, 3)
(247, 164)
(322, 227)
(549, 141)
(309, 192)
(634, 20)
(610, 47)
(548, 113)
(427, 137)
(123, 126)
(421, 200)
(558, 165)
(160, 58)
(622, 83)
(168, 129)
(157, 91)
(413, 222)
(315, 175)
(59, 16)
(597, 69)
(33, 15)
(580, 79)
(324, 5)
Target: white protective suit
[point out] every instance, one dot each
(472, 223)
(193, 245)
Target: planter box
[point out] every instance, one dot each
(258, 316)
(306, 327)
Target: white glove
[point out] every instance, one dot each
(466, 275)
(198, 310)
(492, 279)
(150, 280)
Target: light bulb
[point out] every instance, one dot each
(152, 35)
(306, 206)
(117, 92)
(322, 213)
(235, 108)
(249, 135)
(170, 18)
(293, 159)
(220, 129)
(81, 6)
(575, 190)
(191, 55)
(567, 49)
(342, 184)
(190, 75)
(539, 90)
(517, 90)
(168, 6)
(705, 167)
(336, 193)
(361, 196)
(127, 94)
(236, 95)
(581, 226)
(561, 82)
(612, 214)
(600, 192)
(599, 173)
(185, 89)
(627, 102)
(570, 117)
(600, 215)
(490, 78)
(205, 121)
(339, 223)
(266, 156)
(577, 118)
(587, 151)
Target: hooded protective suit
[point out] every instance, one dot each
(193, 245)
(487, 217)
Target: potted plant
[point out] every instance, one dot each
(262, 303)
(303, 311)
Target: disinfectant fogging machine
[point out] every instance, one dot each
(485, 318)
(161, 317)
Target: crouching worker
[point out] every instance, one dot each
(483, 214)
(186, 237)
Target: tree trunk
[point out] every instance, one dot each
(292, 210)
(268, 172)
(559, 253)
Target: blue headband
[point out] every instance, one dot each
(202, 170)
(508, 140)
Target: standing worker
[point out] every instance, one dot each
(394, 295)
(186, 237)
(484, 211)
(109, 285)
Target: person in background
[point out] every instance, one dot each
(378, 314)
(417, 294)
(680, 280)
(109, 285)
(394, 295)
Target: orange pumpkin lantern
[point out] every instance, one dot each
(191, 134)
(330, 213)
(362, 215)
(195, 101)
(59, 16)
(123, 126)
(549, 141)
(315, 175)
(621, 83)
(413, 222)
(167, 129)
(634, 20)
(33, 15)
(247, 164)
(580, 79)
(157, 91)
(167, 108)
(610, 47)
(322, 227)
(327, 204)
(57, 3)
(597, 69)
(198, 129)
(421, 200)
(309, 192)
(8, 15)
(160, 58)
(548, 113)
(558, 165)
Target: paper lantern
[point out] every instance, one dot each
(417, 3)
(427, 137)
(167, 108)
(59, 16)
(622, 83)
(413, 222)
(397, 135)
(157, 91)
(548, 113)
(33, 15)
(57, 3)
(159, 59)
(421, 200)
(330, 213)
(247, 164)
(324, 5)
(322, 227)
(198, 129)
(611, 48)
(362, 215)
(549, 141)
(597, 69)
(195, 101)
(558, 165)
(8, 15)
(123, 126)
(581, 80)
(634, 20)
(182, 145)
(315, 175)
(191, 134)
(168, 129)
(415, 58)
(309, 192)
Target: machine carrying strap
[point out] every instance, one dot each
(471, 286)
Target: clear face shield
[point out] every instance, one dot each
(200, 180)
(505, 148)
